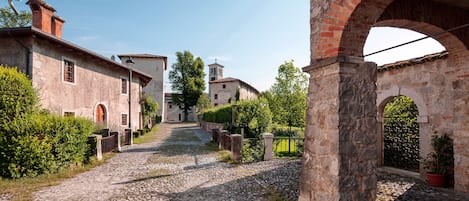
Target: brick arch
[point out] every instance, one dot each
(345, 24)
(450, 41)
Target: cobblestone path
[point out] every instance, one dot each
(180, 166)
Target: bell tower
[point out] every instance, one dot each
(215, 71)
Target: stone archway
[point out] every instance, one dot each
(339, 161)
(424, 142)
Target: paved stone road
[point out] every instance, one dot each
(179, 166)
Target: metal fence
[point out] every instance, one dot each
(288, 146)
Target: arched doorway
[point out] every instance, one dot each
(101, 115)
(339, 160)
(401, 136)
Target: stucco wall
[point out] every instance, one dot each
(94, 84)
(224, 94)
(155, 68)
(12, 53)
(172, 112)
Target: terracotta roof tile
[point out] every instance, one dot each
(414, 61)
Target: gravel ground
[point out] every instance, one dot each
(179, 166)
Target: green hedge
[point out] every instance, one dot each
(220, 114)
(33, 142)
(17, 95)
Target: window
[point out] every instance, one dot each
(124, 119)
(216, 96)
(69, 71)
(170, 105)
(212, 78)
(123, 86)
(224, 86)
(216, 104)
(69, 114)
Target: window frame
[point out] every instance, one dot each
(126, 86)
(65, 59)
(126, 119)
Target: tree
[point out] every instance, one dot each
(289, 95)
(149, 108)
(8, 18)
(203, 103)
(187, 77)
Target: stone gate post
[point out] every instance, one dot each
(339, 160)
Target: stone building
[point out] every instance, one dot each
(72, 80)
(174, 113)
(223, 90)
(155, 66)
(339, 161)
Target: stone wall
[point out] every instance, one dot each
(339, 161)
(439, 87)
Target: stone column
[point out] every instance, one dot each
(339, 160)
(268, 148)
(380, 142)
(119, 141)
(425, 135)
(236, 147)
(221, 134)
(99, 150)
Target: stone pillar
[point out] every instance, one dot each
(99, 150)
(221, 134)
(215, 133)
(425, 135)
(380, 142)
(268, 148)
(119, 141)
(236, 147)
(339, 160)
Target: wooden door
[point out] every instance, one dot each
(101, 115)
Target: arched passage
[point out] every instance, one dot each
(339, 160)
(399, 133)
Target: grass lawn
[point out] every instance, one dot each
(148, 137)
(22, 189)
(281, 147)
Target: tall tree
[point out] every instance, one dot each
(8, 18)
(289, 95)
(187, 77)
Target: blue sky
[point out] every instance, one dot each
(251, 38)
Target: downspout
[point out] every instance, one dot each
(129, 63)
(28, 56)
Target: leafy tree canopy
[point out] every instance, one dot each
(287, 97)
(187, 78)
(9, 19)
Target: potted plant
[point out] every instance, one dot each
(440, 160)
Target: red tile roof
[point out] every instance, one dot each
(414, 61)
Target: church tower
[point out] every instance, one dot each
(215, 71)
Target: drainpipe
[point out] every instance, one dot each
(129, 63)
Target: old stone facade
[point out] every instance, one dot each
(174, 113)
(155, 66)
(337, 147)
(223, 90)
(71, 80)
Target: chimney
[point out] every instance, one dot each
(44, 17)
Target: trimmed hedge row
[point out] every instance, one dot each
(34, 142)
(220, 114)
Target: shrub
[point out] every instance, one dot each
(17, 95)
(43, 143)
(220, 114)
(255, 114)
